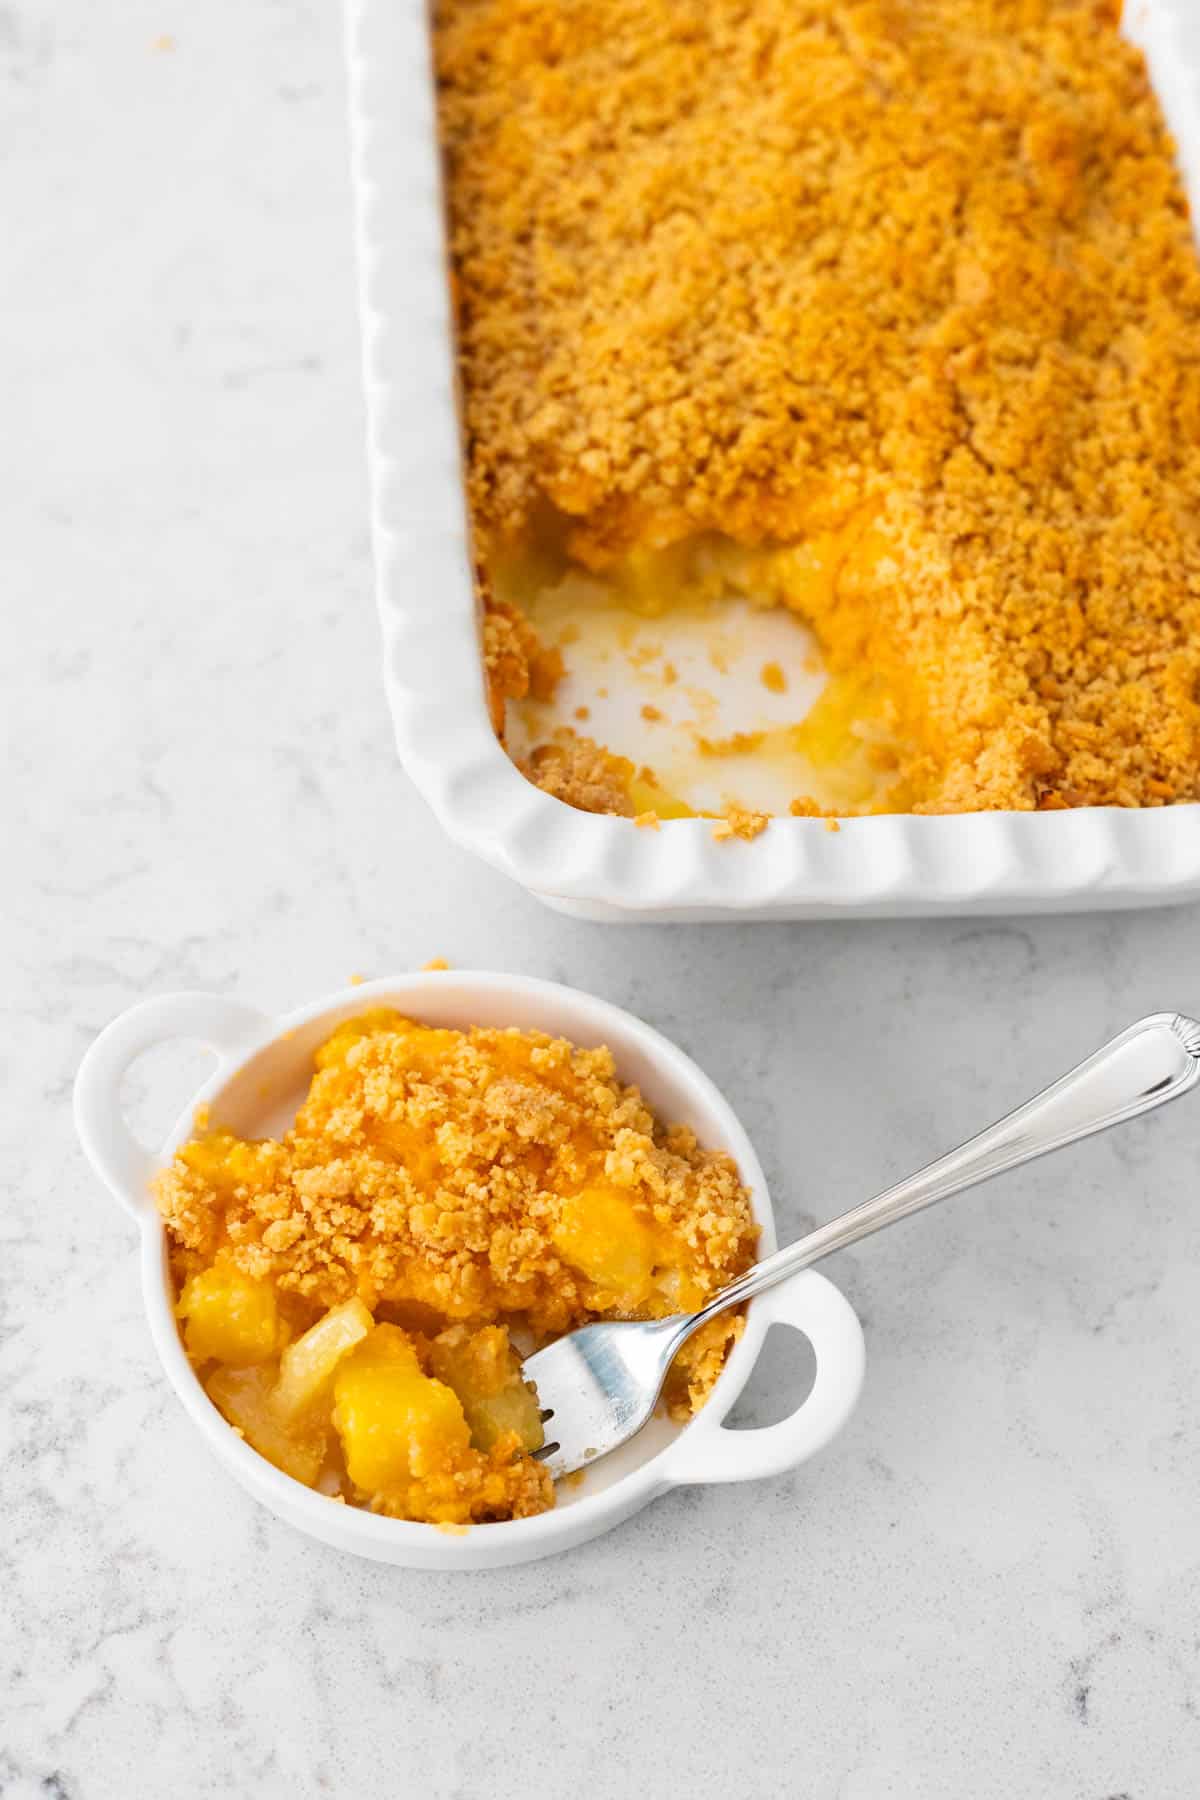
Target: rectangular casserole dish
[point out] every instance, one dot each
(607, 868)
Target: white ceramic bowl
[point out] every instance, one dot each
(605, 868)
(263, 1068)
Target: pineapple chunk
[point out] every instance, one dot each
(485, 1373)
(307, 1367)
(396, 1424)
(412, 1045)
(366, 1024)
(600, 1233)
(246, 1399)
(227, 1162)
(230, 1318)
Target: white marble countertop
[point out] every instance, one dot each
(988, 1587)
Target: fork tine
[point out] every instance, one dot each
(599, 1385)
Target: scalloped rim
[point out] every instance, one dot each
(606, 867)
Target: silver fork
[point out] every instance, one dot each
(600, 1384)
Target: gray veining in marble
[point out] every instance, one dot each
(988, 1589)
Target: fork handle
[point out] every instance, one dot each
(1154, 1061)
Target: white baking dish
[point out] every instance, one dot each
(263, 1069)
(604, 868)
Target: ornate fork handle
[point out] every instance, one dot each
(1154, 1061)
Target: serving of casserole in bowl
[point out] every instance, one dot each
(379, 1203)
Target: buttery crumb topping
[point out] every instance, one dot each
(911, 276)
(345, 1292)
(429, 1167)
(583, 773)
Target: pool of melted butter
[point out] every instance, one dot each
(687, 662)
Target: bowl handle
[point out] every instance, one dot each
(124, 1165)
(709, 1451)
